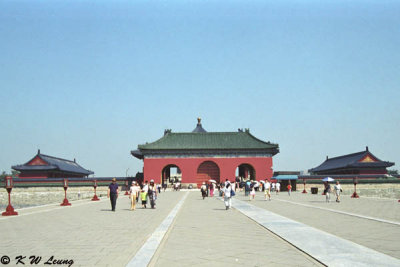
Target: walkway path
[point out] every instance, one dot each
(376, 235)
(201, 233)
(205, 234)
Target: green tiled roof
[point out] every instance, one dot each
(208, 140)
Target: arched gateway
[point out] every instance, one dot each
(207, 170)
(203, 155)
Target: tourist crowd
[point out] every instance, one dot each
(147, 192)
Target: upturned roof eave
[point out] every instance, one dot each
(137, 154)
(34, 167)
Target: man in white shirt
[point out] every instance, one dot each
(338, 190)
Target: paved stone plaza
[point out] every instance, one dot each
(196, 232)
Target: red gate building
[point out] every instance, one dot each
(200, 156)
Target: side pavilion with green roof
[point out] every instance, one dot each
(200, 156)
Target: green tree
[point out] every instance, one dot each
(392, 172)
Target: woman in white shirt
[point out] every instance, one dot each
(227, 195)
(267, 189)
(134, 193)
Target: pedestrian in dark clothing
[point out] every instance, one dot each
(152, 193)
(203, 190)
(113, 193)
(247, 188)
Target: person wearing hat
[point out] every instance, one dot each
(112, 193)
(134, 194)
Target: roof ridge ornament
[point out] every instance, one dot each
(199, 128)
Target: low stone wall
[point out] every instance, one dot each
(368, 190)
(34, 196)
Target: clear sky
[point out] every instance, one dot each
(93, 79)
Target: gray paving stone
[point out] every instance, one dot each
(202, 234)
(376, 235)
(206, 234)
(88, 233)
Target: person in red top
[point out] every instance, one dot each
(289, 188)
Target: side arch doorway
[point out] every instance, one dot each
(206, 171)
(171, 174)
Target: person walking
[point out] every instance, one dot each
(112, 193)
(327, 192)
(338, 190)
(203, 190)
(152, 194)
(252, 192)
(211, 189)
(159, 188)
(133, 194)
(233, 185)
(226, 192)
(267, 190)
(143, 197)
(247, 188)
(146, 186)
(289, 188)
(278, 187)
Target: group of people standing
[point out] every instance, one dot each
(146, 192)
(209, 189)
(227, 191)
(337, 189)
(270, 187)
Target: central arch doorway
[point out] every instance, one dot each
(206, 171)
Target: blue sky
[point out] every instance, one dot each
(93, 79)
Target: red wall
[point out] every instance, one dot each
(153, 167)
